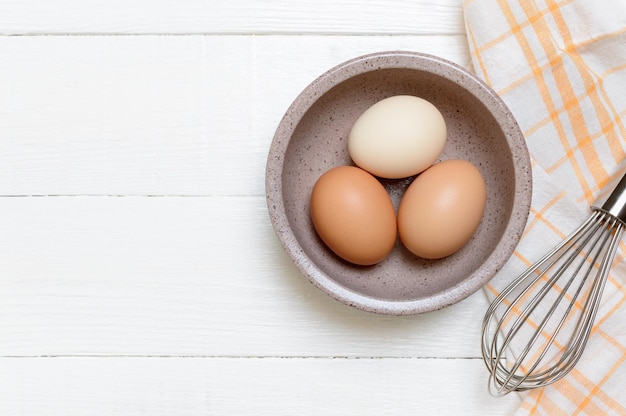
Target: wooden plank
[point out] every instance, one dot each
(222, 386)
(184, 303)
(185, 276)
(232, 17)
(159, 115)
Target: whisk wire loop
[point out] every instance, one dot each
(564, 276)
(520, 321)
(584, 326)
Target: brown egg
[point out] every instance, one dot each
(441, 209)
(353, 214)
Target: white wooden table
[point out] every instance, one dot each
(139, 272)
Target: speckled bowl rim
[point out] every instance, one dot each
(445, 69)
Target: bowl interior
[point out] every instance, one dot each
(319, 141)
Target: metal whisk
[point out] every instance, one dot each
(535, 331)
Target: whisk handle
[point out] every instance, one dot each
(616, 202)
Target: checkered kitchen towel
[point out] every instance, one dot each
(561, 68)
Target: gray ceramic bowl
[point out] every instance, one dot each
(312, 138)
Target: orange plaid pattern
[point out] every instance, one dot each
(561, 68)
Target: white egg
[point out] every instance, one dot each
(398, 137)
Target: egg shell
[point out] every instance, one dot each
(397, 137)
(353, 214)
(441, 209)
